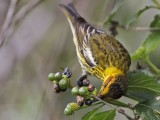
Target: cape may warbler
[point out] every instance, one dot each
(99, 54)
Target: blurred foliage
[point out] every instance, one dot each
(43, 43)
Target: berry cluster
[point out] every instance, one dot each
(60, 80)
(84, 90)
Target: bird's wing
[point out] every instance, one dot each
(103, 51)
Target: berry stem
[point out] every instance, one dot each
(147, 60)
(85, 106)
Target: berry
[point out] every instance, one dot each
(75, 91)
(83, 91)
(68, 111)
(73, 106)
(86, 82)
(56, 88)
(88, 102)
(63, 84)
(80, 100)
(57, 76)
(91, 87)
(51, 77)
(80, 83)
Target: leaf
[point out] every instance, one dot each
(137, 15)
(118, 4)
(151, 42)
(142, 87)
(106, 115)
(90, 114)
(147, 113)
(154, 104)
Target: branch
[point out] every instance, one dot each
(7, 21)
(151, 65)
(123, 113)
(22, 13)
(146, 29)
(25, 10)
(19, 16)
(140, 28)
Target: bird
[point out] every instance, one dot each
(99, 54)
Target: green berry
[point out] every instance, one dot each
(68, 106)
(51, 76)
(75, 91)
(68, 111)
(74, 106)
(63, 84)
(83, 91)
(57, 76)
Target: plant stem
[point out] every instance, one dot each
(147, 60)
(91, 105)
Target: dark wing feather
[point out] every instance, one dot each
(106, 51)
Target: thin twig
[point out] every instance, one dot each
(136, 116)
(145, 29)
(25, 10)
(123, 112)
(19, 16)
(7, 21)
(140, 28)
(151, 65)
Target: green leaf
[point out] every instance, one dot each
(151, 42)
(142, 87)
(154, 104)
(90, 114)
(137, 15)
(118, 4)
(147, 113)
(106, 115)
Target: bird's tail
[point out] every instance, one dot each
(70, 12)
(75, 21)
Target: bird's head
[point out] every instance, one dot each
(114, 86)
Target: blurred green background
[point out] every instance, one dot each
(42, 43)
